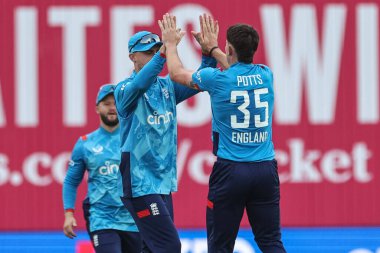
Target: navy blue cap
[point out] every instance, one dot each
(143, 41)
(104, 91)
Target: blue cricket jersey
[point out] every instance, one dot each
(146, 106)
(242, 100)
(99, 154)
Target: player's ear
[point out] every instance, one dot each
(230, 50)
(132, 57)
(97, 109)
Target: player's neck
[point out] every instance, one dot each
(109, 128)
(232, 59)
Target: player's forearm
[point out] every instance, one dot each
(147, 75)
(70, 188)
(221, 58)
(131, 90)
(176, 70)
(69, 195)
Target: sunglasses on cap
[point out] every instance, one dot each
(107, 87)
(146, 39)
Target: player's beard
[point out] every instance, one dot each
(108, 122)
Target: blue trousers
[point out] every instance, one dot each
(153, 215)
(116, 241)
(238, 186)
(112, 240)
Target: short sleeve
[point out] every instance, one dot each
(205, 78)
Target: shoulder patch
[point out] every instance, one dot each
(84, 137)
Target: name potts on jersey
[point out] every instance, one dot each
(109, 168)
(249, 80)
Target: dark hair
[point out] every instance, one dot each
(245, 39)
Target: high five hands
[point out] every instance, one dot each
(170, 33)
(207, 37)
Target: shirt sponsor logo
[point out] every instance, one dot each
(108, 169)
(157, 119)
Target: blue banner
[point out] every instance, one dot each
(296, 240)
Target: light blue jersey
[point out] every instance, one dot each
(99, 154)
(242, 100)
(146, 106)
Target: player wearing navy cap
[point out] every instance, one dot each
(242, 98)
(146, 105)
(109, 224)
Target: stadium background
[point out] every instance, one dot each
(325, 56)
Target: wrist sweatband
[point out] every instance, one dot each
(212, 49)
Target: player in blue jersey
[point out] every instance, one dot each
(244, 177)
(110, 226)
(146, 105)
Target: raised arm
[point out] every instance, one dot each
(208, 39)
(128, 91)
(175, 67)
(183, 92)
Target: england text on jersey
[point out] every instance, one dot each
(249, 137)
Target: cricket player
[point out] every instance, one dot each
(146, 105)
(244, 176)
(109, 224)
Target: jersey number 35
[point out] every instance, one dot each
(247, 114)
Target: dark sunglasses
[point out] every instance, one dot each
(146, 39)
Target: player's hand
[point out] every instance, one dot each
(171, 35)
(180, 35)
(69, 224)
(208, 36)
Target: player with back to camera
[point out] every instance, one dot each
(244, 176)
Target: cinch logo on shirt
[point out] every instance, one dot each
(157, 119)
(108, 169)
